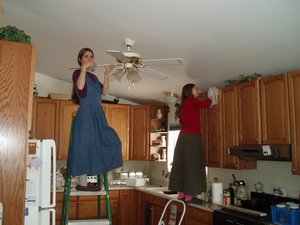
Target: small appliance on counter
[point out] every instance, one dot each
(136, 179)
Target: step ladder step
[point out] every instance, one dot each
(87, 193)
(89, 222)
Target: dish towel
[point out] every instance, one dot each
(213, 94)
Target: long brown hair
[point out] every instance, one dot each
(75, 98)
(187, 91)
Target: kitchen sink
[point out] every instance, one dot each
(157, 188)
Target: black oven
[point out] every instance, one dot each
(255, 211)
(229, 217)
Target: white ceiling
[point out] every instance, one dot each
(219, 39)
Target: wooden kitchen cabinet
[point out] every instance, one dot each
(196, 216)
(126, 207)
(158, 142)
(193, 216)
(230, 130)
(214, 136)
(145, 128)
(137, 209)
(58, 207)
(156, 204)
(86, 207)
(275, 110)
(118, 117)
(17, 71)
(52, 119)
(139, 132)
(45, 118)
(294, 97)
(249, 113)
(66, 111)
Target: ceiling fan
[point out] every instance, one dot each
(132, 64)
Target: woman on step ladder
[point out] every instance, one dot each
(95, 147)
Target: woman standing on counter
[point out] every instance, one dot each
(96, 147)
(188, 175)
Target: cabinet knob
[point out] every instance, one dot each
(293, 169)
(257, 140)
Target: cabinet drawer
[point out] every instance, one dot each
(60, 197)
(89, 209)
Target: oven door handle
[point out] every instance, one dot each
(230, 221)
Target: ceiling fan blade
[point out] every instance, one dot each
(117, 54)
(152, 72)
(171, 61)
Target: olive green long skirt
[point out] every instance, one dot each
(188, 168)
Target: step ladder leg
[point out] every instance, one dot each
(99, 197)
(107, 198)
(68, 198)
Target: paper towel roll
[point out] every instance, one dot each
(217, 193)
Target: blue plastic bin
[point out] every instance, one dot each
(285, 216)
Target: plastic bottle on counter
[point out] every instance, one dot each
(226, 196)
(231, 192)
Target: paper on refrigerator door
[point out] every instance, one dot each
(1, 212)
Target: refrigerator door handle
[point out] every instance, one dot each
(53, 151)
(53, 216)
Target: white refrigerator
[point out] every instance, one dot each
(41, 165)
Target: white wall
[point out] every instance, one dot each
(46, 84)
(270, 173)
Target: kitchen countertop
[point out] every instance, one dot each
(157, 191)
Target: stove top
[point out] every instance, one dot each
(257, 210)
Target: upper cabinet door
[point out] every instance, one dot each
(139, 149)
(118, 118)
(230, 125)
(294, 97)
(214, 136)
(230, 130)
(45, 118)
(275, 110)
(249, 113)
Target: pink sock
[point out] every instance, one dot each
(181, 195)
(188, 198)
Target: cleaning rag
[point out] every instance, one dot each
(213, 94)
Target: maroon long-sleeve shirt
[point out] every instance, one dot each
(82, 93)
(190, 115)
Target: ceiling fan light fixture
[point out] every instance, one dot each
(133, 76)
(171, 97)
(118, 75)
